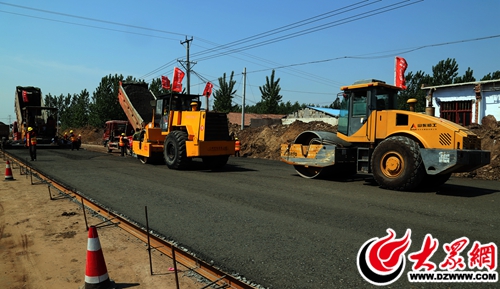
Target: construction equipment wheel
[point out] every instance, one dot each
(330, 172)
(397, 164)
(434, 181)
(215, 162)
(308, 172)
(144, 160)
(174, 150)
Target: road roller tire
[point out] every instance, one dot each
(397, 164)
(434, 181)
(174, 150)
(215, 162)
(309, 172)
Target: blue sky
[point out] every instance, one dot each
(65, 46)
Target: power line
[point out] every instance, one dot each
(89, 19)
(285, 27)
(335, 12)
(85, 25)
(357, 17)
(349, 19)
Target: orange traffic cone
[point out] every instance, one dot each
(8, 172)
(96, 273)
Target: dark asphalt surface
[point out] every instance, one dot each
(259, 219)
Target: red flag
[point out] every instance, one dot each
(165, 82)
(25, 96)
(399, 73)
(177, 81)
(208, 89)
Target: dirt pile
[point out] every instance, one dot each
(489, 131)
(90, 135)
(264, 142)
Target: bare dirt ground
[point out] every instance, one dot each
(43, 244)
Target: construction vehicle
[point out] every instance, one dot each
(177, 131)
(30, 112)
(113, 129)
(403, 150)
(4, 134)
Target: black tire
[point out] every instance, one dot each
(434, 181)
(215, 162)
(143, 160)
(397, 164)
(174, 150)
(310, 172)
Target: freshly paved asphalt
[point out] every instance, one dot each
(259, 219)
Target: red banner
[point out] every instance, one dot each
(25, 96)
(399, 73)
(165, 82)
(177, 80)
(208, 89)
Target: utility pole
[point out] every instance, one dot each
(188, 64)
(243, 102)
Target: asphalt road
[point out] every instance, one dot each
(258, 218)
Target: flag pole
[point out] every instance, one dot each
(395, 70)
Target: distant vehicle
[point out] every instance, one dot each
(401, 149)
(112, 132)
(30, 112)
(4, 133)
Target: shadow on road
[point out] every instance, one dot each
(463, 191)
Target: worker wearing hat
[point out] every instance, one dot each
(237, 147)
(31, 142)
(123, 143)
(74, 140)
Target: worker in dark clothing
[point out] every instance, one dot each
(74, 141)
(123, 143)
(31, 142)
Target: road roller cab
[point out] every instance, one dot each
(402, 149)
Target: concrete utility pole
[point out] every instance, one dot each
(188, 64)
(243, 102)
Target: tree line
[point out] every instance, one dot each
(82, 109)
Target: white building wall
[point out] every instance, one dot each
(458, 93)
(491, 100)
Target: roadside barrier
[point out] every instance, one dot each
(8, 172)
(96, 273)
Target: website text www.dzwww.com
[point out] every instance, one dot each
(453, 276)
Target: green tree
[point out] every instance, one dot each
(467, 77)
(65, 112)
(335, 104)
(223, 96)
(105, 104)
(80, 107)
(491, 76)
(444, 72)
(271, 97)
(257, 108)
(413, 89)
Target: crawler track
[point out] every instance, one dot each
(216, 276)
